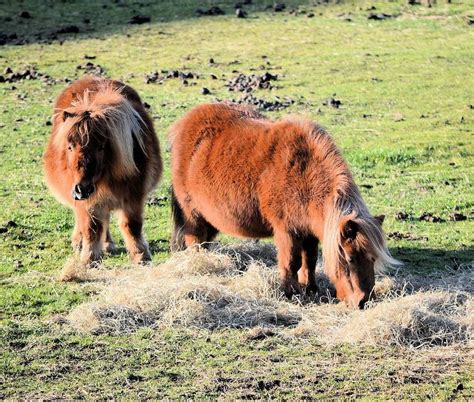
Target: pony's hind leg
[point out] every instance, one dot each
(198, 231)
(309, 257)
(131, 223)
(289, 262)
(189, 228)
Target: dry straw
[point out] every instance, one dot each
(237, 287)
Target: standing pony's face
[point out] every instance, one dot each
(355, 276)
(85, 156)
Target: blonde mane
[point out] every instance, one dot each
(113, 116)
(345, 202)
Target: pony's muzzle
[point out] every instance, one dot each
(361, 300)
(82, 191)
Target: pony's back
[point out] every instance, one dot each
(237, 172)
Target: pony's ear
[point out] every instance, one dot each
(66, 115)
(349, 230)
(379, 219)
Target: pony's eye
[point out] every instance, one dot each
(69, 147)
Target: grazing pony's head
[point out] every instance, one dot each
(97, 134)
(354, 248)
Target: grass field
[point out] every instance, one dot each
(405, 125)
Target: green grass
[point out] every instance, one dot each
(418, 66)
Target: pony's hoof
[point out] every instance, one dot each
(290, 288)
(76, 247)
(91, 261)
(110, 248)
(312, 289)
(141, 258)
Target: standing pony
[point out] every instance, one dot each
(235, 171)
(103, 155)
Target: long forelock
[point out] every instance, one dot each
(121, 124)
(348, 204)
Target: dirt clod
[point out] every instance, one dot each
(158, 201)
(29, 73)
(279, 7)
(239, 13)
(405, 236)
(210, 11)
(8, 225)
(336, 103)
(263, 104)
(25, 14)
(91, 68)
(379, 16)
(457, 217)
(68, 29)
(401, 216)
(160, 77)
(398, 117)
(429, 217)
(205, 91)
(153, 77)
(139, 19)
(248, 83)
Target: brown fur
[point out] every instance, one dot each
(237, 172)
(103, 121)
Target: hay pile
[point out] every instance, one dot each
(237, 287)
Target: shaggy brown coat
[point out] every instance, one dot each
(235, 171)
(103, 155)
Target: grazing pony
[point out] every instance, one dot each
(235, 171)
(103, 155)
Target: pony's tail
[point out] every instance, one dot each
(177, 236)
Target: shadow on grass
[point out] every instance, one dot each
(32, 21)
(416, 261)
(419, 261)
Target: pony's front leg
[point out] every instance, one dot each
(309, 256)
(131, 223)
(76, 238)
(289, 262)
(107, 240)
(92, 227)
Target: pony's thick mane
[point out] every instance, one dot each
(349, 205)
(344, 203)
(106, 112)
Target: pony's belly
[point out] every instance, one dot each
(234, 221)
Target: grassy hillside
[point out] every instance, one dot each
(395, 92)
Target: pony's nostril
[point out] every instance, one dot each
(82, 192)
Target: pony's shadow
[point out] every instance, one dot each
(155, 246)
(159, 246)
(263, 253)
